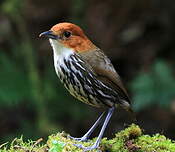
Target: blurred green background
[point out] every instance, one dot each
(137, 35)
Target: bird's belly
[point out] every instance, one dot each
(76, 89)
(74, 86)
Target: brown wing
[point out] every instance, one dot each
(102, 67)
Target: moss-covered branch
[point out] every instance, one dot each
(129, 140)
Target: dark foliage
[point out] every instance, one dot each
(137, 35)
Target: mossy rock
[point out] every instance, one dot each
(129, 140)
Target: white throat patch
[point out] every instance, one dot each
(60, 53)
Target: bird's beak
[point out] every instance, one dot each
(49, 34)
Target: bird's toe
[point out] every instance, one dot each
(81, 139)
(87, 148)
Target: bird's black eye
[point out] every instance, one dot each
(67, 34)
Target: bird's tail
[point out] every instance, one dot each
(128, 108)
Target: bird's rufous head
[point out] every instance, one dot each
(70, 36)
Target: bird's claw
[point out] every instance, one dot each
(74, 138)
(81, 139)
(87, 148)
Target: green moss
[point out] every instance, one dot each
(119, 143)
(156, 143)
(18, 145)
(129, 140)
(60, 142)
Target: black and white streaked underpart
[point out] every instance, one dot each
(83, 84)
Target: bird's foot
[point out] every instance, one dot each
(81, 139)
(95, 146)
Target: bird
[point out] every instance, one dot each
(88, 74)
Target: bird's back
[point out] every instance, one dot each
(105, 72)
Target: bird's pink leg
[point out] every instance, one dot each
(96, 144)
(90, 131)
